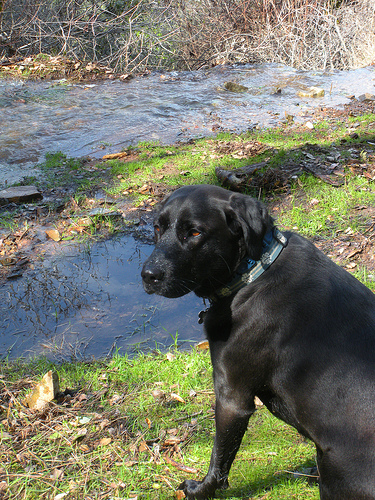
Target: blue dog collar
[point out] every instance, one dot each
(249, 270)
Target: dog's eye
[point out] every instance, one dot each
(193, 233)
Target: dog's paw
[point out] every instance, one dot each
(196, 490)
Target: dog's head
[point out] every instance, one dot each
(202, 233)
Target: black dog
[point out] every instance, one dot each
(285, 324)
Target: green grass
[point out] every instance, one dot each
(110, 439)
(317, 208)
(72, 174)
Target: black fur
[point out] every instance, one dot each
(301, 337)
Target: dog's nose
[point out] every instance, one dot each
(151, 274)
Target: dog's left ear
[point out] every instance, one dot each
(250, 217)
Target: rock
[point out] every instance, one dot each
(309, 125)
(312, 92)
(235, 87)
(366, 97)
(44, 392)
(19, 194)
(104, 212)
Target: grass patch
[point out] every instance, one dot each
(317, 208)
(124, 425)
(70, 175)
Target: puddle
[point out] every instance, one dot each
(89, 302)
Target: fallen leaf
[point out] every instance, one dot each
(116, 398)
(44, 392)
(105, 441)
(113, 156)
(53, 234)
(60, 496)
(57, 474)
(204, 345)
(80, 435)
(179, 494)
(143, 447)
(171, 441)
(170, 356)
(176, 397)
(130, 463)
(83, 420)
(158, 394)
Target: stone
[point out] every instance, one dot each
(19, 194)
(366, 97)
(235, 87)
(312, 92)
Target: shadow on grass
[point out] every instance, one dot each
(300, 475)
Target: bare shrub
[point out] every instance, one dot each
(307, 34)
(126, 35)
(135, 35)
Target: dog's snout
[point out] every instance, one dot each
(152, 274)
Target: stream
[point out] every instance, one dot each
(81, 302)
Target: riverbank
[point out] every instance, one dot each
(90, 199)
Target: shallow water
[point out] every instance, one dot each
(84, 302)
(102, 118)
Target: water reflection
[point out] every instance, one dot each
(90, 303)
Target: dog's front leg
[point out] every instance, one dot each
(231, 423)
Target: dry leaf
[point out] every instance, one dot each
(143, 447)
(179, 494)
(176, 397)
(105, 441)
(171, 441)
(44, 392)
(57, 474)
(203, 345)
(130, 463)
(53, 234)
(116, 398)
(158, 394)
(170, 356)
(113, 156)
(80, 435)
(60, 496)
(148, 422)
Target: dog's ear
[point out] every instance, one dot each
(249, 219)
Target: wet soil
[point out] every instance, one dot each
(20, 248)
